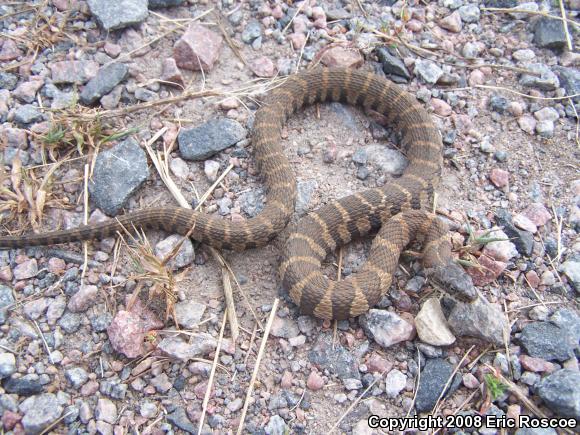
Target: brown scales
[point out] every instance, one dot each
(336, 223)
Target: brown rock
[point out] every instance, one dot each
(9, 51)
(170, 72)
(452, 22)
(297, 40)
(263, 67)
(538, 214)
(533, 278)
(488, 271)
(113, 50)
(286, 381)
(440, 107)
(27, 91)
(10, 419)
(73, 71)
(476, 78)
(15, 137)
(342, 57)
(56, 266)
(536, 364)
(523, 222)
(315, 382)
(499, 177)
(83, 299)
(378, 364)
(470, 381)
(65, 5)
(198, 48)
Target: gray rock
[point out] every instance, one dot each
(545, 129)
(188, 313)
(200, 143)
(6, 300)
(524, 55)
(77, 376)
(433, 379)
(40, 412)
(73, 71)
(336, 359)
(523, 240)
(252, 202)
(569, 79)
(478, 319)
(251, 32)
(7, 365)
(106, 411)
(360, 157)
(26, 385)
(113, 388)
(8, 81)
(101, 322)
(386, 328)
(547, 341)
(118, 173)
(428, 71)
(70, 322)
(157, 4)
(345, 114)
(547, 81)
(469, 13)
(276, 426)
(393, 65)
(352, 384)
(561, 392)
(549, 33)
(184, 256)
(305, 189)
(197, 345)
(453, 4)
(569, 321)
(337, 14)
(284, 327)
(236, 17)
(530, 378)
(178, 418)
(388, 160)
(27, 114)
(395, 382)
(547, 114)
(117, 14)
(148, 409)
(498, 103)
(362, 173)
(143, 94)
(500, 3)
(104, 82)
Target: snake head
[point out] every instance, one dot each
(453, 280)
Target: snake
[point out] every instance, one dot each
(398, 209)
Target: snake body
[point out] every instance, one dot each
(332, 225)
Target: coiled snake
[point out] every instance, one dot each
(397, 207)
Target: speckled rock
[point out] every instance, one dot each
(118, 173)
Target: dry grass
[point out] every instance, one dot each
(24, 196)
(43, 31)
(152, 274)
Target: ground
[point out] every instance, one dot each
(79, 353)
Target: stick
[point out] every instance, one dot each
(212, 374)
(257, 366)
(565, 24)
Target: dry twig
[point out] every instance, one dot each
(257, 365)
